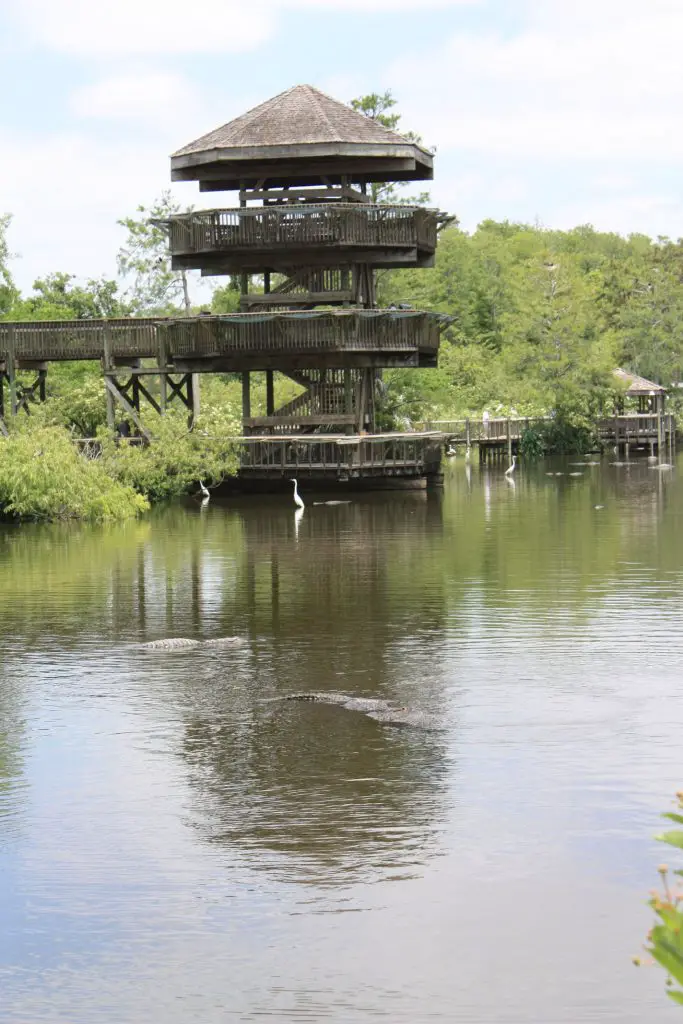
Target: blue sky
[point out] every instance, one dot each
(547, 111)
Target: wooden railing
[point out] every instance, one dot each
(347, 456)
(283, 333)
(474, 430)
(628, 426)
(304, 333)
(78, 339)
(286, 227)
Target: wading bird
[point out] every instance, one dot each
(297, 500)
(206, 494)
(511, 468)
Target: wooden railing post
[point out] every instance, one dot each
(12, 369)
(107, 367)
(659, 434)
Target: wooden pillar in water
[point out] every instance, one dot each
(509, 440)
(659, 434)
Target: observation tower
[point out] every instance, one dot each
(305, 242)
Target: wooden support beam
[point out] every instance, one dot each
(11, 370)
(246, 396)
(270, 393)
(117, 396)
(296, 298)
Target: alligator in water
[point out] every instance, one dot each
(384, 711)
(181, 643)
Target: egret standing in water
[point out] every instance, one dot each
(297, 500)
(510, 470)
(206, 494)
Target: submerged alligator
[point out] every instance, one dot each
(384, 711)
(181, 643)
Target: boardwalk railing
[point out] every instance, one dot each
(495, 429)
(288, 227)
(626, 428)
(342, 455)
(241, 334)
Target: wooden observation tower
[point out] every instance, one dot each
(308, 229)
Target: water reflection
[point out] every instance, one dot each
(174, 838)
(312, 791)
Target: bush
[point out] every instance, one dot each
(665, 943)
(42, 476)
(176, 458)
(556, 437)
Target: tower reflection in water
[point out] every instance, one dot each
(332, 603)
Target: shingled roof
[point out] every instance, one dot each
(637, 385)
(299, 116)
(301, 137)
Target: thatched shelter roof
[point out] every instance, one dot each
(295, 137)
(636, 385)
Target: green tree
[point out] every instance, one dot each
(8, 291)
(376, 106)
(145, 260)
(59, 297)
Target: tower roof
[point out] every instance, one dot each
(296, 129)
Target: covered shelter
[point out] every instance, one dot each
(650, 398)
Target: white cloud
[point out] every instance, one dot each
(89, 28)
(153, 95)
(579, 81)
(71, 225)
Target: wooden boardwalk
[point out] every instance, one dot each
(499, 435)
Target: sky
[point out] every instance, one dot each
(558, 112)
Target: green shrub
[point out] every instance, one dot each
(43, 476)
(665, 941)
(666, 937)
(176, 458)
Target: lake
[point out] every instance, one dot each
(178, 846)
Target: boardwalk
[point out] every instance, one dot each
(500, 434)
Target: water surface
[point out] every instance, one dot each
(177, 846)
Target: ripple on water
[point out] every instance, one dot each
(176, 846)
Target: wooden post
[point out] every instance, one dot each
(12, 370)
(193, 385)
(467, 432)
(246, 396)
(106, 365)
(509, 439)
(659, 434)
(162, 361)
(270, 394)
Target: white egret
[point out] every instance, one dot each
(297, 500)
(451, 451)
(206, 494)
(511, 468)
